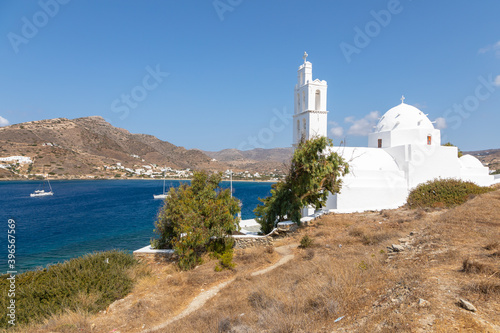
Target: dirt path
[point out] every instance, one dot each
(199, 301)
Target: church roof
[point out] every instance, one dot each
(363, 158)
(470, 162)
(403, 117)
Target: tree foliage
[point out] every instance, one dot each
(314, 173)
(197, 218)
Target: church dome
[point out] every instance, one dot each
(403, 117)
(470, 162)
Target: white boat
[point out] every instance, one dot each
(42, 193)
(164, 195)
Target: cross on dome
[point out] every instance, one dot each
(305, 57)
(403, 99)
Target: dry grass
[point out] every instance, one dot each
(346, 274)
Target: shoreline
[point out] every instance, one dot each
(113, 179)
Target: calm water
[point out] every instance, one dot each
(85, 216)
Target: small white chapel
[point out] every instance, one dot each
(404, 150)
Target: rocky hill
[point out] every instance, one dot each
(489, 157)
(262, 160)
(88, 146)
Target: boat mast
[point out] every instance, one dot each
(163, 180)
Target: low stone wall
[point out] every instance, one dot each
(152, 256)
(243, 242)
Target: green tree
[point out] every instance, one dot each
(314, 173)
(197, 218)
(449, 144)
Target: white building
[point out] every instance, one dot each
(403, 151)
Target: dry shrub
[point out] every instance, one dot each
(370, 237)
(486, 288)
(309, 254)
(386, 214)
(471, 266)
(260, 300)
(492, 245)
(356, 232)
(68, 321)
(420, 214)
(495, 254)
(224, 325)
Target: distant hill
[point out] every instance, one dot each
(489, 157)
(83, 146)
(261, 160)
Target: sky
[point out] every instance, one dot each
(216, 74)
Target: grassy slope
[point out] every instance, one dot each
(372, 290)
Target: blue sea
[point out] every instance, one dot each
(89, 215)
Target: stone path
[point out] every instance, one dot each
(199, 301)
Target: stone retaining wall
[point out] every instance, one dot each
(152, 256)
(160, 256)
(243, 242)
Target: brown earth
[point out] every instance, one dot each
(392, 271)
(83, 146)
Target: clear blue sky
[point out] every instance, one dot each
(225, 76)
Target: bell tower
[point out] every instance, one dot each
(310, 114)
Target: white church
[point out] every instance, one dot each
(404, 150)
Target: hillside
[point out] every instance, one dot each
(262, 160)
(391, 271)
(489, 157)
(90, 147)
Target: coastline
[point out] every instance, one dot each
(93, 179)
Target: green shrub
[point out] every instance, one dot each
(225, 261)
(89, 283)
(306, 242)
(441, 193)
(197, 218)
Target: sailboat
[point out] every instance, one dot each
(164, 195)
(42, 193)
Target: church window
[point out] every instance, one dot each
(429, 139)
(303, 101)
(380, 143)
(318, 100)
(298, 129)
(304, 126)
(298, 103)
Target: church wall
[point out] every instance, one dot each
(317, 125)
(415, 136)
(481, 175)
(431, 162)
(362, 198)
(365, 189)
(313, 87)
(374, 137)
(400, 154)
